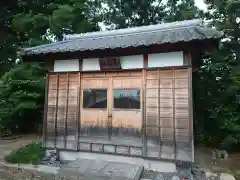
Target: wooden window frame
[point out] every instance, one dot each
(127, 109)
(103, 108)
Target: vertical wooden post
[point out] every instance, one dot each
(78, 111)
(190, 106)
(66, 113)
(144, 100)
(110, 107)
(144, 135)
(145, 61)
(45, 112)
(159, 114)
(188, 60)
(142, 106)
(56, 113)
(80, 64)
(174, 118)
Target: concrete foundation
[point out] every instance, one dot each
(160, 166)
(128, 145)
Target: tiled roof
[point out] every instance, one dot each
(183, 31)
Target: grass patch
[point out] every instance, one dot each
(29, 154)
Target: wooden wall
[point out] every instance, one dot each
(166, 110)
(62, 105)
(167, 104)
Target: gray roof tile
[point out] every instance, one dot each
(183, 31)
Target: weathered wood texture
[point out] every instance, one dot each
(111, 120)
(167, 113)
(167, 107)
(163, 119)
(62, 104)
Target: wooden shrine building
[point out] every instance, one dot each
(124, 92)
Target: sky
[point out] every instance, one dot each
(200, 4)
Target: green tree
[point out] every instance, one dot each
(218, 90)
(22, 99)
(182, 10)
(71, 17)
(8, 37)
(29, 23)
(127, 13)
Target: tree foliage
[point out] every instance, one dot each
(28, 23)
(127, 13)
(217, 82)
(182, 10)
(22, 99)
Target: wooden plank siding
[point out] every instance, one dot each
(167, 110)
(62, 107)
(164, 117)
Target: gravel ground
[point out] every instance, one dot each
(152, 175)
(181, 174)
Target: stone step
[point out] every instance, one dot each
(99, 169)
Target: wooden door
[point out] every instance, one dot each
(94, 109)
(126, 110)
(116, 124)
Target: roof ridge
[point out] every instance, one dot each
(127, 34)
(138, 29)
